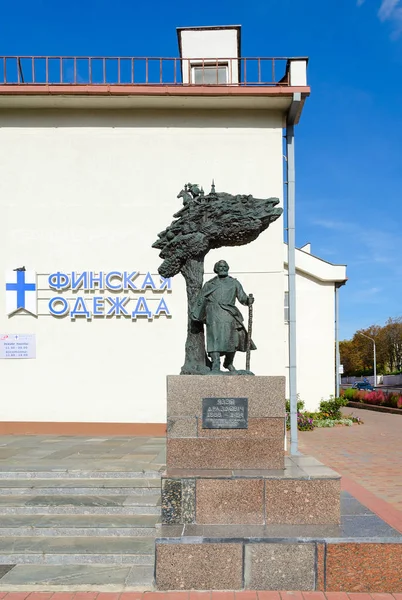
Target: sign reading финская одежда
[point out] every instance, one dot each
(121, 294)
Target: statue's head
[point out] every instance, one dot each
(221, 268)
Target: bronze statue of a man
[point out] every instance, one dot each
(215, 306)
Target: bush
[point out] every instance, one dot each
(394, 400)
(332, 408)
(349, 394)
(376, 398)
(354, 419)
(360, 396)
(300, 405)
(328, 416)
(332, 422)
(304, 423)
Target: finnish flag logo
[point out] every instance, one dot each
(21, 292)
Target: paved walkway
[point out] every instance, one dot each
(87, 453)
(368, 457)
(369, 454)
(195, 596)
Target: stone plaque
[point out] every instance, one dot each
(225, 413)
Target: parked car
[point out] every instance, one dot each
(363, 385)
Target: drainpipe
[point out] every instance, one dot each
(338, 284)
(337, 358)
(290, 154)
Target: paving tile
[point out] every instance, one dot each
(40, 595)
(70, 596)
(268, 595)
(336, 595)
(200, 596)
(362, 452)
(222, 596)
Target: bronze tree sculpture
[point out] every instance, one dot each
(205, 222)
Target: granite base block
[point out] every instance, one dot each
(370, 568)
(214, 453)
(361, 554)
(199, 566)
(230, 501)
(280, 566)
(178, 501)
(182, 427)
(266, 395)
(291, 496)
(295, 502)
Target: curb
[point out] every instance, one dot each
(384, 409)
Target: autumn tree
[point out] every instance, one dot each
(392, 342)
(357, 354)
(350, 357)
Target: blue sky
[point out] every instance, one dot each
(348, 143)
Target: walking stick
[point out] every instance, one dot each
(250, 329)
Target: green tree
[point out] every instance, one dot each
(392, 342)
(350, 357)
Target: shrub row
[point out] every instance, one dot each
(377, 397)
(329, 415)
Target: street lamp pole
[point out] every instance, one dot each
(375, 357)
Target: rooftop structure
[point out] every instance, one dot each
(209, 65)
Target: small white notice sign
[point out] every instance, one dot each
(17, 345)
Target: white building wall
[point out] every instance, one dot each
(315, 339)
(90, 191)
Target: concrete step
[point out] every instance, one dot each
(80, 510)
(79, 500)
(145, 504)
(79, 577)
(78, 525)
(77, 550)
(88, 487)
(40, 473)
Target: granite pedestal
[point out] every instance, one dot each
(238, 514)
(226, 461)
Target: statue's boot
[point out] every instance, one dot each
(228, 362)
(216, 361)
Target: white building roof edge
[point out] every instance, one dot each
(316, 267)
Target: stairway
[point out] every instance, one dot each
(81, 528)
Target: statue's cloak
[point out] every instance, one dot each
(215, 306)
